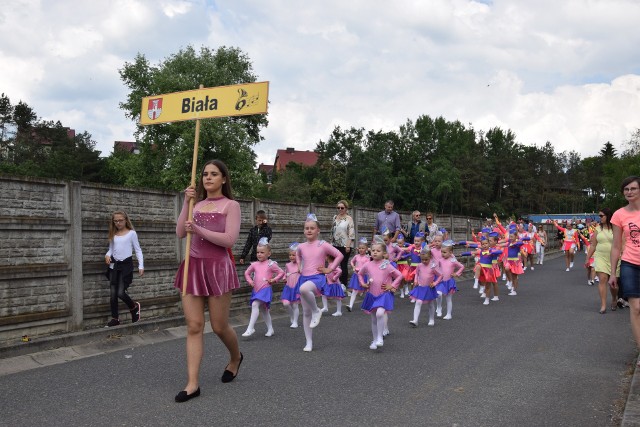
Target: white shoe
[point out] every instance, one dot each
(344, 288)
(524, 268)
(373, 345)
(532, 268)
(483, 295)
(512, 293)
(379, 343)
(248, 332)
(486, 301)
(294, 325)
(315, 319)
(385, 333)
(413, 301)
(308, 347)
(431, 322)
(401, 294)
(439, 313)
(447, 317)
(337, 314)
(504, 277)
(475, 286)
(597, 279)
(414, 324)
(269, 333)
(570, 265)
(495, 299)
(324, 310)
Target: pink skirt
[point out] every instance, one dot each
(209, 277)
(514, 266)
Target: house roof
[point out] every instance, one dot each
(286, 156)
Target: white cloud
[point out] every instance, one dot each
(565, 72)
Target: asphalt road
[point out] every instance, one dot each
(543, 358)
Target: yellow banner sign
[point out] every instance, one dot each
(222, 101)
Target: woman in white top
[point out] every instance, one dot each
(123, 240)
(342, 237)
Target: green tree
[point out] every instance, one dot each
(166, 150)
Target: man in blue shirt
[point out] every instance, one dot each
(388, 219)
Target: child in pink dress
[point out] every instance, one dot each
(449, 268)
(425, 281)
(261, 275)
(379, 299)
(356, 263)
(333, 289)
(311, 257)
(290, 297)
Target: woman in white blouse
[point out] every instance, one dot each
(342, 237)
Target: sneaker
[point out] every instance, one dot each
(447, 317)
(248, 332)
(532, 268)
(590, 282)
(269, 333)
(597, 279)
(504, 277)
(486, 301)
(524, 268)
(384, 334)
(135, 313)
(570, 265)
(567, 269)
(431, 323)
(379, 343)
(401, 294)
(315, 319)
(344, 288)
(625, 303)
(512, 293)
(294, 325)
(414, 324)
(337, 314)
(112, 323)
(495, 299)
(373, 345)
(483, 295)
(324, 310)
(475, 286)
(439, 313)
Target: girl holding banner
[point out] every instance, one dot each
(211, 275)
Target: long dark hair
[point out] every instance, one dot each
(607, 212)
(201, 193)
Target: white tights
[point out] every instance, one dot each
(378, 325)
(294, 313)
(309, 306)
(354, 294)
(418, 307)
(256, 308)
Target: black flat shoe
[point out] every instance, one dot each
(183, 396)
(228, 376)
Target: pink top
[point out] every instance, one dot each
(629, 223)
(358, 261)
(213, 231)
(425, 273)
(436, 254)
(334, 276)
(263, 271)
(379, 273)
(449, 266)
(394, 251)
(312, 255)
(291, 274)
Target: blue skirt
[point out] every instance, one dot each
(447, 287)
(291, 295)
(354, 283)
(423, 293)
(370, 302)
(333, 291)
(264, 295)
(320, 280)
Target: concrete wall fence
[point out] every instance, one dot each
(53, 237)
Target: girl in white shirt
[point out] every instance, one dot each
(123, 240)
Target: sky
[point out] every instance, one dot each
(567, 72)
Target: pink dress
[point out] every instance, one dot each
(448, 266)
(211, 269)
(379, 273)
(258, 275)
(290, 291)
(426, 275)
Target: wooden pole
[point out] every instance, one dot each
(194, 166)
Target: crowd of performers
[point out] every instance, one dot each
(423, 272)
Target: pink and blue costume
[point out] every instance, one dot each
(312, 255)
(449, 266)
(333, 288)
(357, 262)
(290, 290)
(257, 275)
(379, 273)
(426, 274)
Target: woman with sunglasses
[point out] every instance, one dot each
(600, 249)
(342, 237)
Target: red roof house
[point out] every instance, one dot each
(284, 157)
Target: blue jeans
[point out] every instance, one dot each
(630, 279)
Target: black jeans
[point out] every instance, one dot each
(119, 288)
(344, 265)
